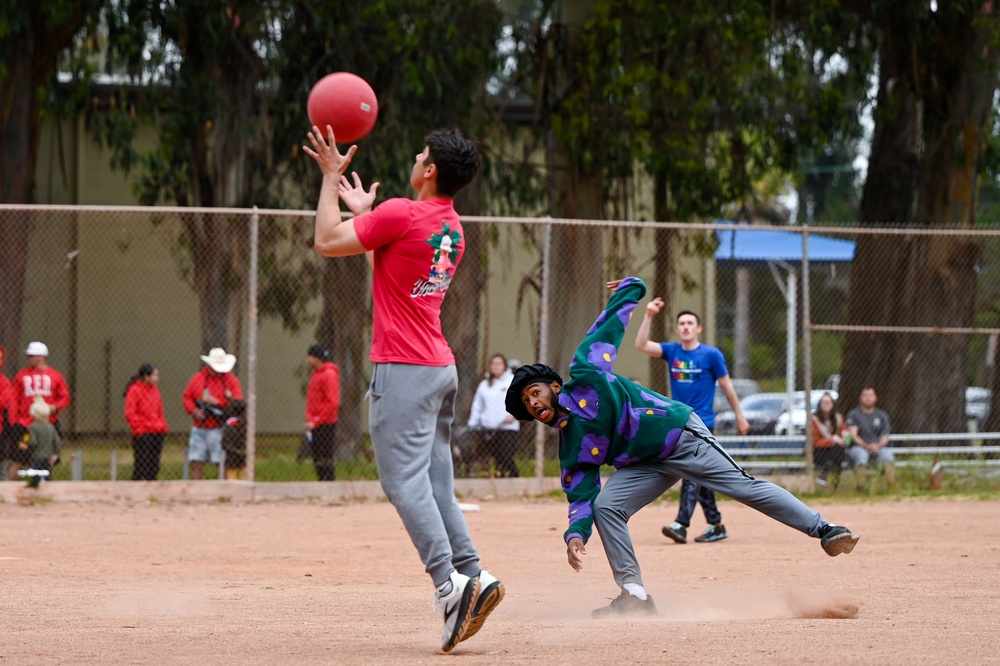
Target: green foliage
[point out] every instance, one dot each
(764, 361)
(827, 353)
(428, 69)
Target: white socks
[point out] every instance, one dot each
(636, 590)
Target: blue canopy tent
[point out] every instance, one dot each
(745, 248)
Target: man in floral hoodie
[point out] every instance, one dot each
(653, 442)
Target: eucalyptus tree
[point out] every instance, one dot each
(705, 98)
(204, 64)
(429, 69)
(33, 38)
(934, 127)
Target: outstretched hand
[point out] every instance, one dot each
(575, 550)
(354, 196)
(327, 155)
(655, 306)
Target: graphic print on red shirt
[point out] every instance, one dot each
(417, 246)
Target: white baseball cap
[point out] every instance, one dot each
(37, 349)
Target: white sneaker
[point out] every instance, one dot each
(456, 608)
(490, 595)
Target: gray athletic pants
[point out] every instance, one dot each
(698, 458)
(411, 409)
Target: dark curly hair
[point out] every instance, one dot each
(456, 158)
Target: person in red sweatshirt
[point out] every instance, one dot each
(144, 413)
(6, 411)
(322, 409)
(35, 380)
(206, 397)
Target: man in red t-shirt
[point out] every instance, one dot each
(322, 409)
(35, 380)
(206, 397)
(414, 247)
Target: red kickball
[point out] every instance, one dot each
(345, 102)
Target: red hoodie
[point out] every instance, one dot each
(144, 408)
(222, 387)
(323, 395)
(32, 382)
(6, 392)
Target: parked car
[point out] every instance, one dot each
(793, 422)
(743, 388)
(761, 411)
(977, 405)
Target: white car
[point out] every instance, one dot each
(793, 422)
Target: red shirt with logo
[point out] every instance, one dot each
(144, 409)
(32, 382)
(323, 395)
(417, 247)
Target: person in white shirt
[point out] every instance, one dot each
(497, 429)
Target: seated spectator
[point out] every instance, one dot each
(870, 430)
(829, 447)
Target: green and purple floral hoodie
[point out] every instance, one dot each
(612, 420)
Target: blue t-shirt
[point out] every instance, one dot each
(692, 376)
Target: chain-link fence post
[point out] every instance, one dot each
(806, 357)
(252, 345)
(543, 340)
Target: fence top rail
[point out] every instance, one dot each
(883, 228)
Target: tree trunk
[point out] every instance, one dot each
(576, 289)
(663, 284)
(345, 329)
(928, 139)
(461, 313)
(29, 54)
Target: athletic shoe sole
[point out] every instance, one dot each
(464, 611)
(489, 599)
(669, 533)
(840, 544)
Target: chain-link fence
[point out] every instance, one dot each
(111, 289)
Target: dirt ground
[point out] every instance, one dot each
(298, 582)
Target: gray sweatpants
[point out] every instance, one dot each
(411, 409)
(698, 458)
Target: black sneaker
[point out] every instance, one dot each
(676, 531)
(712, 533)
(836, 539)
(490, 595)
(624, 605)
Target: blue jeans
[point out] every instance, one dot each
(691, 494)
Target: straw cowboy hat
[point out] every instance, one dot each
(219, 360)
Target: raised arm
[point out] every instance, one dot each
(642, 341)
(333, 236)
(599, 348)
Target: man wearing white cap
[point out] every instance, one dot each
(37, 380)
(206, 397)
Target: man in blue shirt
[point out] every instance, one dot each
(694, 369)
